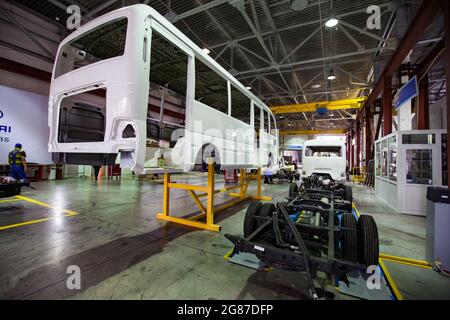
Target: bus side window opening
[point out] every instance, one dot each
(167, 90)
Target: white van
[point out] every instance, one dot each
(324, 158)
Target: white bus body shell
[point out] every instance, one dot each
(126, 79)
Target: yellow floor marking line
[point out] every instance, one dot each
(406, 261)
(10, 200)
(390, 281)
(68, 213)
(39, 203)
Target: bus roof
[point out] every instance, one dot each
(146, 10)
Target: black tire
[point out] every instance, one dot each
(368, 243)
(348, 195)
(249, 220)
(293, 190)
(349, 238)
(267, 210)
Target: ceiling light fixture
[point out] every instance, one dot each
(331, 22)
(206, 50)
(248, 88)
(316, 86)
(331, 75)
(298, 5)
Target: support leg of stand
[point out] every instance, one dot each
(210, 199)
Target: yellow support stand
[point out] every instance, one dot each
(209, 191)
(360, 177)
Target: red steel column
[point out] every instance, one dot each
(358, 143)
(352, 158)
(348, 146)
(368, 137)
(447, 76)
(387, 106)
(423, 106)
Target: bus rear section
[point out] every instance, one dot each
(105, 106)
(96, 110)
(325, 158)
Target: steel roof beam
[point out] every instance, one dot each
(99, 8)
(351, 38)
(283, 48)
(363, 31)
(418, 25)
(335, 57)
(303, 24)
(199, 9)
(309, 67)
(312, 34)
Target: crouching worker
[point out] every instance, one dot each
(18, 164)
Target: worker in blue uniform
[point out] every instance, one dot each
(18, 163)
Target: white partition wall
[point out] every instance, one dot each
(406, 164)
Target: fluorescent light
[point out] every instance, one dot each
(206, 50)
(248, 88)
(331, 22)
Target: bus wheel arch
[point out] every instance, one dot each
(206, 151)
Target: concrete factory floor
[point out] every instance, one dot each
(110, 231)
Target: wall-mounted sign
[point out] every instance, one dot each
(408, 91)
(24, 119)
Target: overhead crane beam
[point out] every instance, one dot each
(300, 132)
(355, 103)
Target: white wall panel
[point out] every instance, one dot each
(24, 119)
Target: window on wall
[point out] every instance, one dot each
(419, 139)
(419, 166)
(384, 159)
(210, 88)
(378, 159)
(104, 42)
(240, 105)
(392, 158)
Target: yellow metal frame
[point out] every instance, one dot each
(358, 178)
(209, 191)
(341, 104)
